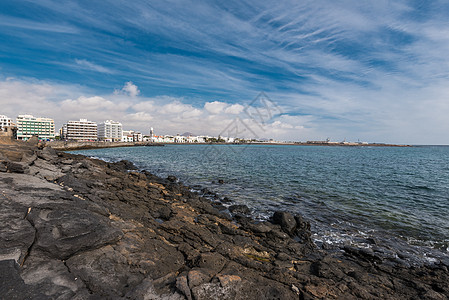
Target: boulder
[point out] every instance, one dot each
(239, 209)
(17, 167)
(171, 178)
(286, 220)
(64, 231)
(3, 167)
(47, 153)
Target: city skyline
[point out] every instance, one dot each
(376, 72)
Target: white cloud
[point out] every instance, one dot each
(339, 110)
(129, 89)
(215, 107)
(234, 109)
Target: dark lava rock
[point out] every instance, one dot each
(94, 233)
(239, 209)
(12, 285)
(171, 178)
(47, 153)
(226, 200)
(124, 165)
(63, 232)
(165, 213)
(3, 167)
(286, 220)
(16, 167)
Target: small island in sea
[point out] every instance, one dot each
(74, 227)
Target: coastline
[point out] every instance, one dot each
(145, 236)
(72, 145)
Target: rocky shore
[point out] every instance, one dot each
(72, 227)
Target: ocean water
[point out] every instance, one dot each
(398, 196)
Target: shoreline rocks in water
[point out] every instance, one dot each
(78, 228)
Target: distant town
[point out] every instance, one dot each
(83, 130)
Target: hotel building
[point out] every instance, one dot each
(82, 130)
(27, 126)
(110, 131)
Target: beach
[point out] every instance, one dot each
(74, 227)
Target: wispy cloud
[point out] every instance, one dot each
(374, 70)
(87, 65)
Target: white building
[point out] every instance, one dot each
(4, 121)
(110, 131)
(137, 136)
(132, 136)
(27, 126)
(82, 130)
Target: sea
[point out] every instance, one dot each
(393, 197)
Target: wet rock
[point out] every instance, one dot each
(286, 220)
(239, 209)
(171, 178)
(226, 200)
(123, 165)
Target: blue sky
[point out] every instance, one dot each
(369, 70)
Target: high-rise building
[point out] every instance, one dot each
(4, 121)
(82, 130)
(110, 131)
(27, 126)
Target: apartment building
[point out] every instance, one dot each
(28, 125)
(132, 136)
(4, 121)
(82, 130)
(110, 131)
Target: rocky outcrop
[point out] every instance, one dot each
(78, 228)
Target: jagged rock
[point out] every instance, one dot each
(3, 165)
(12, 286)
(29, 159)
(286, 220)
(47, 153)
(17, 167)
(183, 286)
(63, 232)
(171, 178)
(239, 209)
(33, 141)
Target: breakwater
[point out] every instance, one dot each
(73, 145)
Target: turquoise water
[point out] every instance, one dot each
(346, 192)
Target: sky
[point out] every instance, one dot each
(375, 71)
